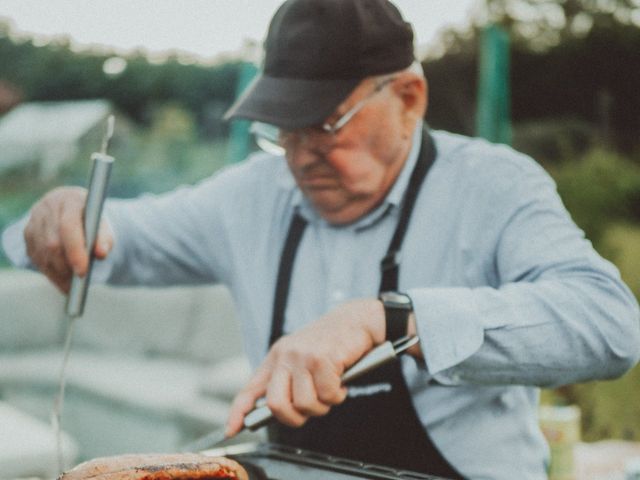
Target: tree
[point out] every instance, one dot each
(542, 24)
(55, 72)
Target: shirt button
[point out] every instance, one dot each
(337, 295)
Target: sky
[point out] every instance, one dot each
(204, 28)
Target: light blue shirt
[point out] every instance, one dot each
(508, 294)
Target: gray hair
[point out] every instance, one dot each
(415, 67)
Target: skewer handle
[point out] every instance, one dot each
(98, 183)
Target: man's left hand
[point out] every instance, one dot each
(300, 377)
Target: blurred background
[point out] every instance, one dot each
(555, 79)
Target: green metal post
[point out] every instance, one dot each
(493, 116)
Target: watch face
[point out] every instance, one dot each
(398, 299)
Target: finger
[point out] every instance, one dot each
(58, 272)
(104, 242)
(46, 252)
(328, 385)
(242, 404)
(305, 399)
(279, 399)
(36, 234)
(246, 399)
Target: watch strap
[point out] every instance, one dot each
(397, 322)
(397, 308)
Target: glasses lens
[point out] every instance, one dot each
(267, 137)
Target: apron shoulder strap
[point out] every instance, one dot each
(296, 229)
(390, 263)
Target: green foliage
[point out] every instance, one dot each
(156, 164)
(55, 72)
(600, 188)
(154, 159)
(590, 77)
(452, 92)
(540, 24)
(624, 239)
(602, 191)
(607, 408)
(553, 141)
(593, 78)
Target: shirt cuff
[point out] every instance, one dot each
(448, 325)
(14, 245)
(15, 249)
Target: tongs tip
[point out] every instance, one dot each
(403, 344)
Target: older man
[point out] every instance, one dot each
(369, 227)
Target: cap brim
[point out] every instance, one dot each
(290, 102)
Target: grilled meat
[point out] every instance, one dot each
(188, 466)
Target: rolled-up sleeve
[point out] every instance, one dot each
(556, 313)
(14, 245)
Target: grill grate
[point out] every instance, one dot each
(287, 463)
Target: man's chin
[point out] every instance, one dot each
(333, 209)
(325, 199)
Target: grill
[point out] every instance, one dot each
(286, 463)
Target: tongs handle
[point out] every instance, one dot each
(383, 353)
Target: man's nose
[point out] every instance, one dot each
(304, 158)
(316, 140)
(310, 146)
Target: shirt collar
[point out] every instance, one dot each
(392, 200)
(396, 194)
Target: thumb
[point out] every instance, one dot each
(242, 404)
(246, 399)
(104, 242)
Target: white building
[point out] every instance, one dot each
(50, 134)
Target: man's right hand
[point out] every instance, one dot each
(55, 236)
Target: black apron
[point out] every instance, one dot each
(379, 424)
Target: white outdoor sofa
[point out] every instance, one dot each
(150, 369)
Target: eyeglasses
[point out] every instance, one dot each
(276, 140)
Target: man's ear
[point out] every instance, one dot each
(412, 90)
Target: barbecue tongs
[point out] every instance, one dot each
(261, 415)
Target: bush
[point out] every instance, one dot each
(602, 192)
(598, 189)
(552, 142)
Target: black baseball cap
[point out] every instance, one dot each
(316, 53)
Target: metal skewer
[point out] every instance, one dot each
(97, 191)
(98, 183)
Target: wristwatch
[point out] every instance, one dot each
(397, 308)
